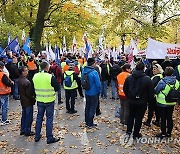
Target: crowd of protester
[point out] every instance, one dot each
(32, 79)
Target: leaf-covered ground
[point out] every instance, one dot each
(76, 139)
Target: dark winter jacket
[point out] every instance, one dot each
(104, 72)
(13, 71)
(138, 88)
(25, 92)
(114, 71)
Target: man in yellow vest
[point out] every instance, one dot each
(78, 71)
(70, 86)
(45, 86)
(166, 108)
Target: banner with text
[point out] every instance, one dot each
(158, 50)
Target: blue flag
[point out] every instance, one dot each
(26, 46)
(14, 45)
(87, 49)
(57, 55)
(1, 49)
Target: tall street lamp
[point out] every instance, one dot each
(123, 37)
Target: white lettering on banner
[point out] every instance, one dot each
(158, 50)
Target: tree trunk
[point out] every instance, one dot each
(155, 11)
(38, 28)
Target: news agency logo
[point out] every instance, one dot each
(156, 140)
(127, 140)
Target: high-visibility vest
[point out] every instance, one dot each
(44, 91)
(161, 96)
(63, 64)
(31, 65)
(74, 83)
(178, 68)
(85, 64)
(160, 76)
(3, 88)
(120, 80)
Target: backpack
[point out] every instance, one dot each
(134, 91)
(67, 80)
(85, 80)
(172, 95)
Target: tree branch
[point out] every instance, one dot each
(49, 26)
(138, 21)
(48, 18)
(169, 18)
(29, 23)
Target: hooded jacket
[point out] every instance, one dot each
(114, 71)
(141, 84)
(94, 81)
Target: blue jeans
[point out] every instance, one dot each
(15, 89)
(59, 92)
(4, 99)
(49, 108)
(114, 89)
(104, 88)
(26, 119)
(90, 109)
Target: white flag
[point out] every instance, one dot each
(23, 36)
(51, 53)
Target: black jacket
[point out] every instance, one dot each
(114, 71)
(140, 83)
(25, 92)
(104, 72)
(13, 71)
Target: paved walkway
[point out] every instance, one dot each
(75, 139)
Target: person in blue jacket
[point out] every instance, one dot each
(91, 94)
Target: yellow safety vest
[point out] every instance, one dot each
(178, 68)
(74, 83)
(160, 75)
(161, 96)
(44, 91)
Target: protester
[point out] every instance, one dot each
(166, 108)
(114, 71)
(57, 72)
(124, 113)
(27, 101)
(45, 86)
(98, 69)
(70, 86)
(32, 66)
(138, 88)
(152, 107)
(14, 75)
(78, 70)
(104, 79)
(5, 89)
(92, 93)
(167, 62)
